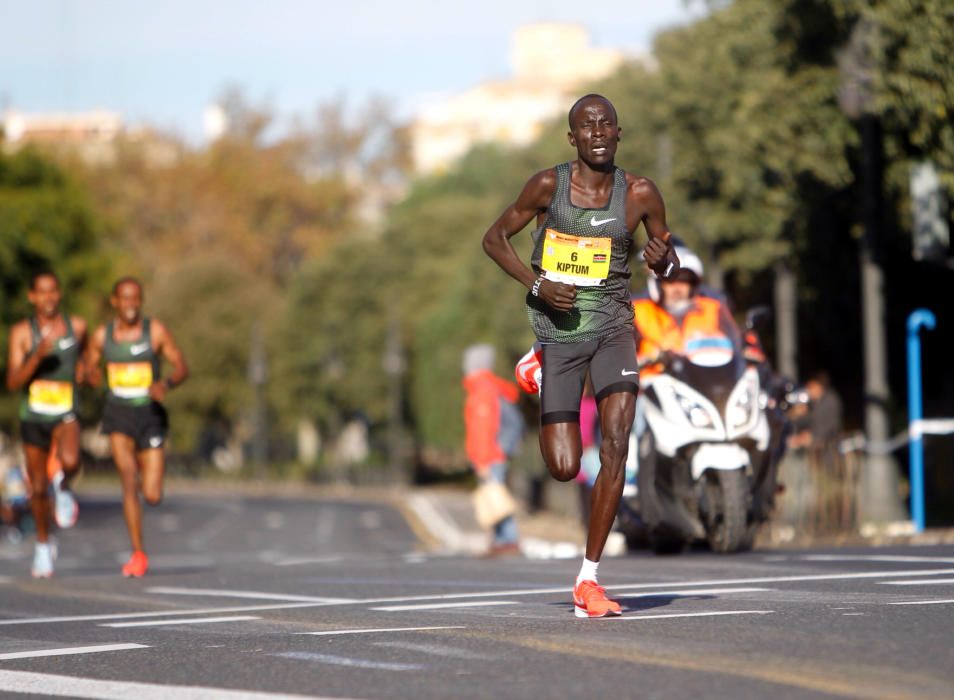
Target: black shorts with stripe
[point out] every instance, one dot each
(611, 362)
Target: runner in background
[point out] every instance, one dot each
(133, 347)
(43, 363)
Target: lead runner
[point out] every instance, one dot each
(586, 211)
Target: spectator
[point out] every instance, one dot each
(493, 427)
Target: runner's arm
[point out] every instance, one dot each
(93, 357)
(532, 201)
(169, 351)
(21, 363)
(659, 252)
(80, 329)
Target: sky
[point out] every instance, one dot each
(163, 62)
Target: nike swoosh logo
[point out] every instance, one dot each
(599, 222)
(629, 372)
(138, 349)
(67, 343)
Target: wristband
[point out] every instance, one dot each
(535, 290)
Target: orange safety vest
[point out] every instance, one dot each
(659, 331)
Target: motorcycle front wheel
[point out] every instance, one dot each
(727, 510)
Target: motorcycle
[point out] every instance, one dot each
(708, 454)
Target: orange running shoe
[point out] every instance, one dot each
(136, 566)
(589, 600)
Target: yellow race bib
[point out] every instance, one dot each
(570, 259)
(129, 380)
(50, 398)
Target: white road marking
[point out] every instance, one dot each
(670, 584)
(184, 621)
(699, 614)
(68, 651)
(259, 595)
(923, 602)
(925, 582)
(5, 579)
(332, 633)
(348, 661)
(697, 591)
(160, 613)
(295, 561)
(850, 614)
(441, 606)
(74, 687)
(901, 558)
(438, 650)
(918, 573)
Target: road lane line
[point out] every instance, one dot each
(296, 561)
(696, 591)
(332, 633)
(900, 558)
(923, 602)
(917, 573)
(48, 684)
(698, 614)
(348, 661)
(255, 595)
(184, 621)
(442, 606)
(669, 584)
(68, 651)
(925, 582)
(160, 613)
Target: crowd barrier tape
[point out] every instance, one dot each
(919, 428)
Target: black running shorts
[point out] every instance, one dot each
(40, 433)
(612, 365)
(147, 424)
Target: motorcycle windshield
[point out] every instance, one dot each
(712, 366)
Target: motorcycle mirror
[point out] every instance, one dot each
(756, 315)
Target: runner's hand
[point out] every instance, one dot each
(45, 345)
(660, 255)
(157, 392)
(558, 295)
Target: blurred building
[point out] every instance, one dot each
(550, 62)
(94, 137)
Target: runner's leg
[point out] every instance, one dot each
(36, 458)
(617, 412)
(66, 437)
(124, 455)
(153, 465)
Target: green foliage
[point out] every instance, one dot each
(211, 307)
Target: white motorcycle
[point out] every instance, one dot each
(709, 451)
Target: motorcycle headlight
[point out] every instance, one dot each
(697, 416)
(743, 403)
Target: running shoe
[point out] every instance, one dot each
(137, 565)
(43, 556)
(65, 508)
(589, 600)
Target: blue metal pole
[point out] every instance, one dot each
(917, 319)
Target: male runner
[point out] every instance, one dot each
(43, 361)
(134, 418)
(579, 307)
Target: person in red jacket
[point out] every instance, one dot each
(493, 427)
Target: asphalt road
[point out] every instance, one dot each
(269, 597)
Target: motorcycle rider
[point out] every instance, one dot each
(676, 312)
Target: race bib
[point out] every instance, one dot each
(50, 398)
(575, 260)
(129, 380)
